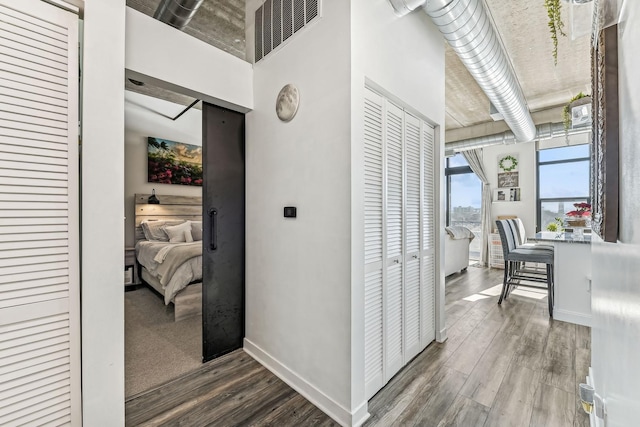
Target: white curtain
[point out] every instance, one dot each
(474, 158)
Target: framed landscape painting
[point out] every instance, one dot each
(171, 162)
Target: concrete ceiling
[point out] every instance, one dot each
(522, 25)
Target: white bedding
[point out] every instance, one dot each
(152, 254)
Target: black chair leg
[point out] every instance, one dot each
(504, 282)
(513, 269)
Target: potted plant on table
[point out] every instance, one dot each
(556, 226)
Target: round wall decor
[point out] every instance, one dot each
(508, 163)
(287, 103)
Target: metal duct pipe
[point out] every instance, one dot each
(177, 13)
(543, 131)
(466, 25)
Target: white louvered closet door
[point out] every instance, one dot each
(394, 299)
(373, 247)
(428, 241)
(39, 288)
(412, 233)
(399, 238)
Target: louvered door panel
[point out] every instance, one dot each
(394, 358)
(412, 194)
(428, 252)
(39, 288)
(373, 333)
(412, 236)
(429, 188)
(428, 300)
(411, 322)
(373, 129)
(394, 304)
(373, 238)
(393, 144)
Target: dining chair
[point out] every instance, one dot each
(516, 255)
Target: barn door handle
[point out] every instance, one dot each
(213, 217)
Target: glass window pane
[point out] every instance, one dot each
(564, 180)
(564, 153)
(552, 210)
(466, 199)
(457, 160)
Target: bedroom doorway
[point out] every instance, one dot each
(160, 345)
(163, 309)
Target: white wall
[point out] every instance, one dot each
(103, 213)
(526, 208)
(298, 271)
(629, 92)
(405, 58)
(146, 116)
(615, 342)
(160, 54)
(305, 315)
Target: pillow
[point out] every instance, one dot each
(196, 230)
(154, 230)
(176, 232)
(187, 236)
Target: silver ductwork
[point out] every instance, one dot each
(543, 132)
(177, 13)
(468, 29)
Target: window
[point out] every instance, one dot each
(464, 200)
(563, 179)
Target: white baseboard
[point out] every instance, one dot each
(441, 335)
(572, 317)
(330, 407)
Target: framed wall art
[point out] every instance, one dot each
(508, 175)
(170, 162)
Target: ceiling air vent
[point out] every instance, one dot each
(277, 20)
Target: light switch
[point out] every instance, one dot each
(290, 211)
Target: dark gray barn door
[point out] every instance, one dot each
(223, 233)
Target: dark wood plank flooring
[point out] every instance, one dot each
(506, 365)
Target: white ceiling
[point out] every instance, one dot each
(522, 25)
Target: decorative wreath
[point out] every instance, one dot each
(514, 163)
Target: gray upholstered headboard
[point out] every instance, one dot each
(170, 208)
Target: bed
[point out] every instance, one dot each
(169, 263)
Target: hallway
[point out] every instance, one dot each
(501, 365)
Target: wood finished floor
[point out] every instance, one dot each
(506, 365)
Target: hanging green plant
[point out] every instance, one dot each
(555, 24)
(508, 163)
(566, 111)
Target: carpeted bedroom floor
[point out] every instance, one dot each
(157, 349)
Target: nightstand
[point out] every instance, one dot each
(130, 265)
